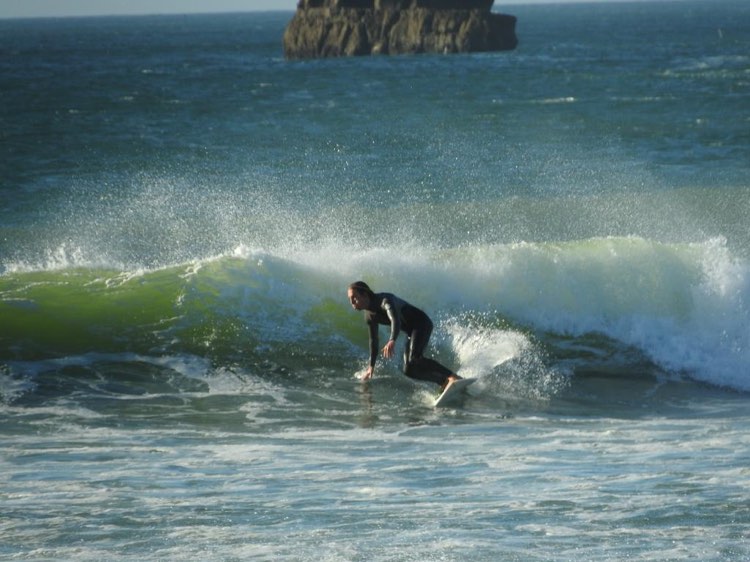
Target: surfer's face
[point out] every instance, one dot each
(359, 300)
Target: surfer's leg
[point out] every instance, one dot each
(425, 369)
(416, 366)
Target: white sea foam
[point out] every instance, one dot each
(481, 350)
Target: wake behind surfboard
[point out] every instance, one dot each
(454, 393)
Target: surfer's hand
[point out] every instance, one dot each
(368, 374)
(388, 349)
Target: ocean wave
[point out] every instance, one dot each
(683, 306)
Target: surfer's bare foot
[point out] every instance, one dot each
(449, 381)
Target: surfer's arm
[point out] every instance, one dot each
(394, 317)
(372, 325)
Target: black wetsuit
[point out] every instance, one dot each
(388, 309)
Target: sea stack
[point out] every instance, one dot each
(339, 28)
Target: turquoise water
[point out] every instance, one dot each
(182, 210)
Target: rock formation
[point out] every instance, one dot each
(335, 28)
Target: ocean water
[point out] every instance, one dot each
(182, 210)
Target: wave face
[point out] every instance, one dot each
(680, 306)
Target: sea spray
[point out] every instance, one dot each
(508, 363)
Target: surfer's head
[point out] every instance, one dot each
(360, 295)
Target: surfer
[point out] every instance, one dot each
(390, 310)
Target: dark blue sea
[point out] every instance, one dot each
(182, 209)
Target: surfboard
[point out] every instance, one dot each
(454, 393)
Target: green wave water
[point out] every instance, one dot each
(629, 290)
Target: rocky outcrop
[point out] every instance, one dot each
(336, 28)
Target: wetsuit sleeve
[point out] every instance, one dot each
(372, 325)
(394, 317)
